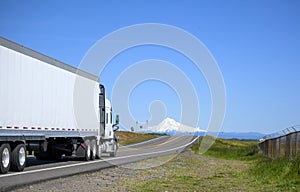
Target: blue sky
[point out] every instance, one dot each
(255, 43)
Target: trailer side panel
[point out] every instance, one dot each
(38, 97)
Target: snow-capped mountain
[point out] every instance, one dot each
(171, 127)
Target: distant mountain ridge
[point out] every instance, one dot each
(241, 135)
(171, 127)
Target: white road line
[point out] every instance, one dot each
(96, 161)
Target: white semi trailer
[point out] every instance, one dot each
(50, 109)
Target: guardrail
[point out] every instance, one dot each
(285, 143)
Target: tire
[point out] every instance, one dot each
(5, 158)
(87, 151)
(18, 160)
(93, 150)
(112, 154)
(99, 152)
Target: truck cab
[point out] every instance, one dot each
(110, 138)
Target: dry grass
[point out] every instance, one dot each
(127, 138)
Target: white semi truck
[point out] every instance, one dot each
(50, 109)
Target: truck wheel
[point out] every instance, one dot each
(93, 150)
(112, 154)
(87, 153)
(18, 162)
(5, 155)
(99, 152)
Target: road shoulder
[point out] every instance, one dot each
(185, 171)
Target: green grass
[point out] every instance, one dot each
(232, 149)
(283, 174)
(278, 174)
(229, 165)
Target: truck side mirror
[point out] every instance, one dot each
(116, 125)
(117, 119)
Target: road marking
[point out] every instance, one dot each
(96, 161)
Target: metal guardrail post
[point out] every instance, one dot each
(270, 148)
(282, 147)
(293, 144)
(273, 148)
(297, 142)
(288, 146)
(277, 148)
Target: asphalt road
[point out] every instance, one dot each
(37, 171)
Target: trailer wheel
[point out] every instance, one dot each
(87, 151)
(18, 162)
(5, 156)
(93, 150)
